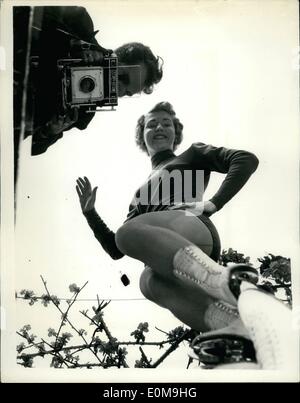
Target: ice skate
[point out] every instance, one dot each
(267, 341)
(269, 323)
(223, 283)
(223, 346)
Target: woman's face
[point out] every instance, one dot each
(159, 132)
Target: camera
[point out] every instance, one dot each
(89, 86)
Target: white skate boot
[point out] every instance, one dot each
(269, 323)
(223, 283)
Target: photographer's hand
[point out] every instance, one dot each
(86, 51)
(59, 123)
(87, 195)
(91, 56)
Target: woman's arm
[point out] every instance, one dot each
(239, 165)
(106, 237)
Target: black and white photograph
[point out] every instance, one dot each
(149, 192)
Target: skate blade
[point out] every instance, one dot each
(222, 350)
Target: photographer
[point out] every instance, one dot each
(68, 32)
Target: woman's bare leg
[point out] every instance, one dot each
(175, 244)
(187, 305)
(154, 238)
(192, 307)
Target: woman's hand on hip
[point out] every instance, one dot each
(209, 208)
(197, 208)
(87, 195)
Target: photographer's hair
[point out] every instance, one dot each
(134, 53)
(161, 106)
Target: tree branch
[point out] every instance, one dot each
(67, 319)
(103, 324)
(145, 357)
(172, 348)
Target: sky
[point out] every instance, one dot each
(230, 71)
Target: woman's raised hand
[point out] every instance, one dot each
(87, 195)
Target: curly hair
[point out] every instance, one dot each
(134, 53)
(161, 106)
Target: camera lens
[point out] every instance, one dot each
(87, 84)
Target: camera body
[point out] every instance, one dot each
(89, 86)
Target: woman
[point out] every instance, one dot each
(173, 235)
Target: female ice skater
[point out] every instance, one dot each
(169, 230)
(171, 235)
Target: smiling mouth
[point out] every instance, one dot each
(160, 137)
